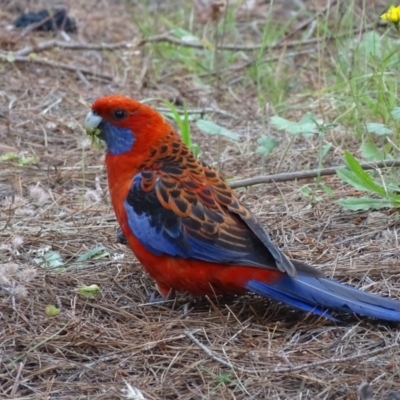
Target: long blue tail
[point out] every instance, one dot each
(321, 295)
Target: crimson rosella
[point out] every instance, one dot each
(189, 229)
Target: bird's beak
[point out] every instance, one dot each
(92, 121)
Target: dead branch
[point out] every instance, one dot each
(49, 44)
(166, 38)
(291, 176)
(37, 60)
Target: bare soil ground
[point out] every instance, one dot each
(235, 348)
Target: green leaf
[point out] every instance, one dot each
(96, 253)
(325, 150)
(211, 128)
(307, 118)
(396, 113)
(305, 127)
(89, 292)
(361, 180)
(393, 185)
(378, 129)
(370, 45)
(282, 124)
(370, 152)
(267, 144)
(327, 189)
(19, 158)
(363, 177)
(351, 178)
(51, 259)
(52, 311)
(306, 191)
(394, 198)
(185, 35)
(364, 203)
(26, 160)
(8, 156)
(93, 254)
(94, 138)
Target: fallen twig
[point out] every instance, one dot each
(291, 176)
(359, 356)
(20, 55)
(49, 44)
(166, 38)
(13, 58)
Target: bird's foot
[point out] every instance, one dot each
(121, 237)
(162, 295)
(186, 308)
(156, 297)
(165, 295)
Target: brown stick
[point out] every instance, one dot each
(152, 39)
(291, 176)
(54, 64)
(49, 44)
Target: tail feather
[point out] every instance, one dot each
(318, 295)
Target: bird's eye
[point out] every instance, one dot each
(119, 113)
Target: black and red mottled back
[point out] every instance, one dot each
(195, 212)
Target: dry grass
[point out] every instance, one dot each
(249, 348)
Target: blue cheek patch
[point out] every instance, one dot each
(118, 140)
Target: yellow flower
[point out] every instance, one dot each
(392, 15)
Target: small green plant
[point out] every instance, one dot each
(266, 145)
(94, 135)
(382, 139)
(54, 260)
(224, 378)
(307, 126)
(183, 122)
(89, 291)
(52, 311)
(205, 125)
(386, 193)
(365, 85)
(51, 260)
(20, 159)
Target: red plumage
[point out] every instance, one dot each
(189, 229)
(153, 134)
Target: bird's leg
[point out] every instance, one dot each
(165, 293)
(121, 237)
